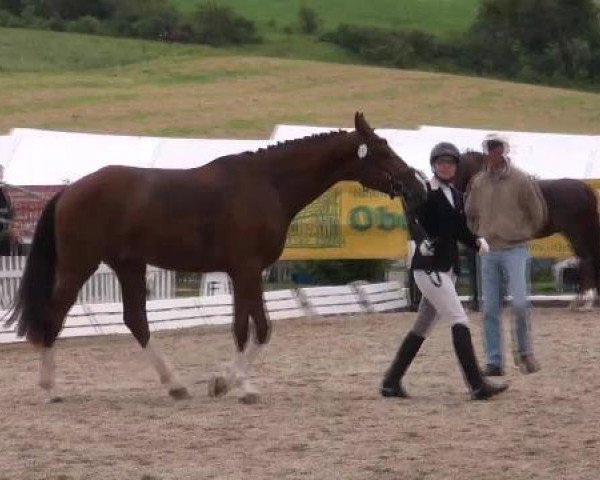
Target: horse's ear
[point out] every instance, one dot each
(361, 125)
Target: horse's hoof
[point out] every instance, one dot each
(586, 306)
(250, 398)
(217, 386)
(179, 393)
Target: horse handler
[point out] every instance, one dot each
(440, 223)
(506, 206)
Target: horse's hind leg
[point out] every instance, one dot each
(132, 277)
(64, 295)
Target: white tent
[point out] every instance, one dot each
(546, 155)
(190, 153)
(7, 143)
(41, 157)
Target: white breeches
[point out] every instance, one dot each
(440, 300)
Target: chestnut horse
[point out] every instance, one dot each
(230, 215)
(573, 210)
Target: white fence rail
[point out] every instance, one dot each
(99, 310)
(88, 319)
(102, 287)
(331, 300)
(173, 313)
(382, 297)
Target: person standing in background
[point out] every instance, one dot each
(506, 207)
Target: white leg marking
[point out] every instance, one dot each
(165, 371)
(47, 368)
(47, 377)
(236, 373)
(587, 299)
(249, 391)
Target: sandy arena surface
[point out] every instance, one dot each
(319, 417)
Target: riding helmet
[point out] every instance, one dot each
(444, 149)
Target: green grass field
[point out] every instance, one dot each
(98, 84)
(40, 51)
(442, 16)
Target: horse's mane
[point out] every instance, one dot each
(298, 143)
(304, 140)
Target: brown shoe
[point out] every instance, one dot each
(528, 364)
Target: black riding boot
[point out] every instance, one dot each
(481, 389)
(391, 386)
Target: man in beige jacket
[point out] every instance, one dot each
(506, 207)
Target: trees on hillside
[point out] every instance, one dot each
(151, 19)
(554, 38)
(555, 41)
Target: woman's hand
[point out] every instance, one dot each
(426, 248)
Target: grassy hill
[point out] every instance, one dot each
(24, 50)
(442, 16)
(79, 83)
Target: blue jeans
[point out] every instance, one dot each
(501, 268)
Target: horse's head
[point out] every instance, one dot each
(471, 163)
(380, 168)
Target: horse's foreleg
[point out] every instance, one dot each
(587, 300)
(231, 377)
(248, 302)
(133, 285)
(165, 372)
(243, 367)
(255, 345)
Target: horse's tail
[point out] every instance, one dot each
(37, 283)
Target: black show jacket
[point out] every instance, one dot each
(443, 225)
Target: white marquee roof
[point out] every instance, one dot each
(546, 155)
(41, 157)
